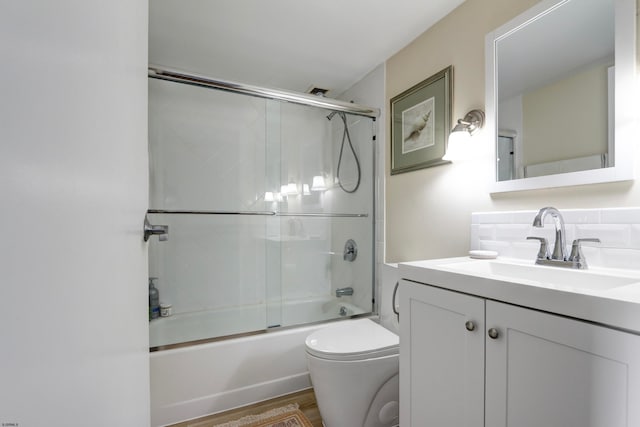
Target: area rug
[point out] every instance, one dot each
(285, 416)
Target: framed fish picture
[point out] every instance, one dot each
(420, 124)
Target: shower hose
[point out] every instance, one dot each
(347, 137)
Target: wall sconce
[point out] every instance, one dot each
(318, 183)
(462, 132)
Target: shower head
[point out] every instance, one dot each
(330, 116)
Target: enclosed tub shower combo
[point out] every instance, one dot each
(263, 206)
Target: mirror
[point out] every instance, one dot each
(560, 85)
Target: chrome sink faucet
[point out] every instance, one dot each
(559, 255)
(560, 246)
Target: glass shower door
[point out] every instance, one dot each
(262, 199)
(207, 160)
(327, 189)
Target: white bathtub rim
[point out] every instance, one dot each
(181, 329)
(257, 335)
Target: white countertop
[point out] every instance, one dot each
(618, 307)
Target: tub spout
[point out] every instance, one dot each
(344, 291)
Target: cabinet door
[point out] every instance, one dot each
(441, 360)
(547, 370)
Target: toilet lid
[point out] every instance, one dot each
(352, 340)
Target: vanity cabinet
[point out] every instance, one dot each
(466, 361)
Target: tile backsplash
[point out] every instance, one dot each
(617, 228)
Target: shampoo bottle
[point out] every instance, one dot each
(154, 300)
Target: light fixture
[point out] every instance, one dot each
(268, 196)
(292, 189)
(305, 190)
(462, 132)
(318, 183)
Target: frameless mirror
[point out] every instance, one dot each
(560, 87)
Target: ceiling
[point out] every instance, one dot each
(286, 44)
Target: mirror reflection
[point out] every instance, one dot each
(554, 81)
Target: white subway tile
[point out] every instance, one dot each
(619, 258)
(526, 250)
(593, 255)
(581, 216)
(523, 217)
(486, 232)
(634, 236)
(512, 232)
(570, 233)
(610, 235)
(503, 248)
(617, 228)
(620, 216)
(492, 217)
(546, 232)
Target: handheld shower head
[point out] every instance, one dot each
(330, 116)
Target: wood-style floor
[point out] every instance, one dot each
(306, 399)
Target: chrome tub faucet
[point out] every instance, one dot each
(340, 292)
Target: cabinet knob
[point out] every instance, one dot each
(493, 333)
(470, 325)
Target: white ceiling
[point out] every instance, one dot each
(287, 44)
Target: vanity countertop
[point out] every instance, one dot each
(616, 306)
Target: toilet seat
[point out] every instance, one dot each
(352, 340)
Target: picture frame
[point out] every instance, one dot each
(420, 124)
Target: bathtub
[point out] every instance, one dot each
(198, 380)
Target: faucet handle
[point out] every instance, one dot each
(576, 251)
(543, 252)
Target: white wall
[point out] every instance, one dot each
(73, 323)
(551, 113)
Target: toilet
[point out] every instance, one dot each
(354, 371)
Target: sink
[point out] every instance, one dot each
(553, 277)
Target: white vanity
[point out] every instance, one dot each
(509, 343)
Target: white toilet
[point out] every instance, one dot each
(354, 370)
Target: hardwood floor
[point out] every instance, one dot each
(306, 399)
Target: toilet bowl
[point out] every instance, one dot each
(354, 372)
